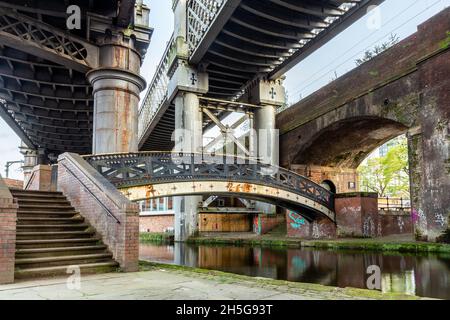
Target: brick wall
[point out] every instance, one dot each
(357, 215)
(93, 196)
(342, 178)
(12, 183)
(8, 216)
(156, 223)
(264, 223)
(299, 227)
(394, 223)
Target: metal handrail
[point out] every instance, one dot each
(91, 193)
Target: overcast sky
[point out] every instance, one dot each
(335, 58)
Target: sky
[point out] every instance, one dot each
(334, 59)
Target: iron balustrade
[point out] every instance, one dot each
(200, 15)
(394, 204)
(138, 169)
(157, 93)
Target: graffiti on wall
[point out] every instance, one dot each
(297, 221)
(368, 227)
(419, 219)
(440, 219)
(401, 224)
(315, 230)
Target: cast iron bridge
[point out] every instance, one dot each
(237, 42)
(148, 175)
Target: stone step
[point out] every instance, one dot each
(43, 207)
(43, 262)
(20, 192)
(59, 251)
(48, 221)
(88, 268)
(46, 214)
(53, 228)
(44, 202)
(53, 235)
(39, 197)
(52, 243)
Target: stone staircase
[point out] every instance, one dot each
(51, 236)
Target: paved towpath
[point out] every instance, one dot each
(168, 283)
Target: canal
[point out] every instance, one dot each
(422, 275)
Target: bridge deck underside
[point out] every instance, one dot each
(47, 104)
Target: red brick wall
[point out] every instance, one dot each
(78, 181)
(357, 215)
(299, 227)
(11, 183)
(341, 177)
(8, 216)
(395, 223)
(263, 223)
(156, 223)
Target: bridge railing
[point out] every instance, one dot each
(394, 204)
(200, 15)
(157, 93)
(127, 170)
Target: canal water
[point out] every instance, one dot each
(422, 275)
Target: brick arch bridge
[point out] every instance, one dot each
(403, 90)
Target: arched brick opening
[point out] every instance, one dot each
(346, 143)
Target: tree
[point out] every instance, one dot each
(388, 175)
(372, 53)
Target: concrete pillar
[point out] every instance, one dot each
(117, 85)
(188, 139)
(269, 95)
(264, 124)
(30, 160)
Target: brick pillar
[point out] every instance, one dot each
(433, 200)
(40, 179)
(8, 216)
(357, 214)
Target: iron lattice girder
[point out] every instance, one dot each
(40, 39)
(139, 169)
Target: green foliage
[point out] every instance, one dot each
(389, 175)
(372, 53)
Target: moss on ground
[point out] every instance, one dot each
(293, 287)
(155, 237)
(359, 244)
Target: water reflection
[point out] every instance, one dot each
(426, 275)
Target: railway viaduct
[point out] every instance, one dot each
(405, 90)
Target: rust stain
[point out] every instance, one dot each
(246, 188)
(124, 121)
(150, 192)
